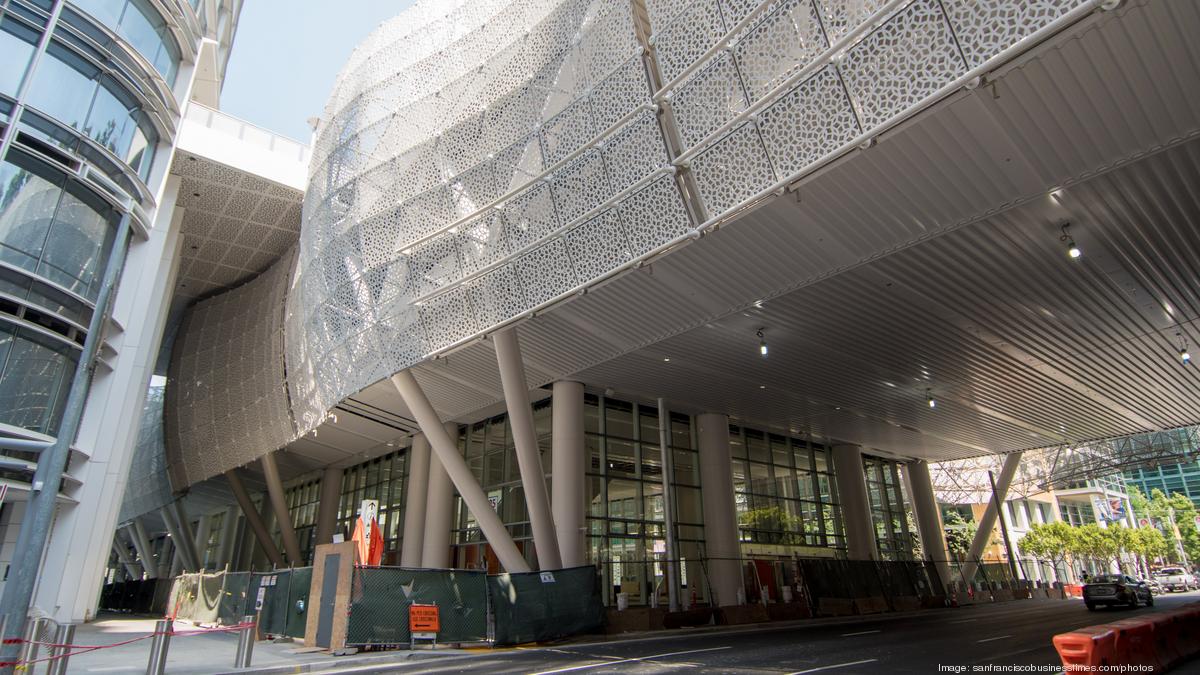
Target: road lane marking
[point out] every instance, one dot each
(991, 639)
(639, 658)
(964, 621)
(863, 632)
(835, 665)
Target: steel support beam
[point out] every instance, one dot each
(456, 467)
(279, 503)
(988, 522)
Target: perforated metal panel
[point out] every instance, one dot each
(227, 401)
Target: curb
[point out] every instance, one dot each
(394, 657)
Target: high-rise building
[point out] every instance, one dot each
(706, 281)
(93, 95)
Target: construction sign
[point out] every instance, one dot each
(423, 620)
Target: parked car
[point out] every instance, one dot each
(1155, 587)
(1116, 589)
(1175, 579)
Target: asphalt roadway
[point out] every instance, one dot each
(1013, 633)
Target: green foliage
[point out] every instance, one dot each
(1160, 508)
(773, 525)
(1149, 542)
(959, 534)
(1049, 541)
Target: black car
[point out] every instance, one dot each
(1116, 589)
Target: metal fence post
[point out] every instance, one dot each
(29, 648)
(158, 647)
(64, 636)
(245, 648)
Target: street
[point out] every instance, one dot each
(1012, 633)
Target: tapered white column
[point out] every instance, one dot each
(439, 513)
(203, 532)
(456, 467)
(988, 522)
(327, 510)
(279, 503)
(856, 507)
(929, 517)
(569, 455)
(141, 543)
(228, 538)
(720, 515)
(529, 458)
(254, 520)
(122, 551)
(415, 501)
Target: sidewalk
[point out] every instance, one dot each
(206, 654)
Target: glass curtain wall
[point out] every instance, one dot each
(85, 106)
(381, 479)
(888, 510)
(785, 495)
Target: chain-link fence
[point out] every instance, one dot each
(224, 598)
(540, 606)
(381, 597)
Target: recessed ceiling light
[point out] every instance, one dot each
(762, 386)
(666, 359)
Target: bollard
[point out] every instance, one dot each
(33, 631)
(622, 602)
(245, 646)
(65, 635)
(159, 646)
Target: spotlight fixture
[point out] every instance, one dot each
(1072, 248)
(1184, 355)
(762, 343)
(930, 399)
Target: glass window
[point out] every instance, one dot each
(64, 86)
(142, 27)
(35, 376)
(28, 201)
(107, 12)
(109, 123)
(78, 238)
(17, 44)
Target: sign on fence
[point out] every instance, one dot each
(423, 622)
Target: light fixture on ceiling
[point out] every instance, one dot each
(762, 343)
(666, 359)
(1072, 248)
(1184, 355)
(930, 399)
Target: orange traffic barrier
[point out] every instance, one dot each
(1134, 643)
(1166, 638)
(1091, 646)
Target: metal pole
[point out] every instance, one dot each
(28, 648)
(245, 647)
(668, 472)
(65, 635)
(52, 462)
(1012, 561)
(158, 647)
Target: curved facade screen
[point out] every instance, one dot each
(479, 161)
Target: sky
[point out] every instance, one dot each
(287, 53)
